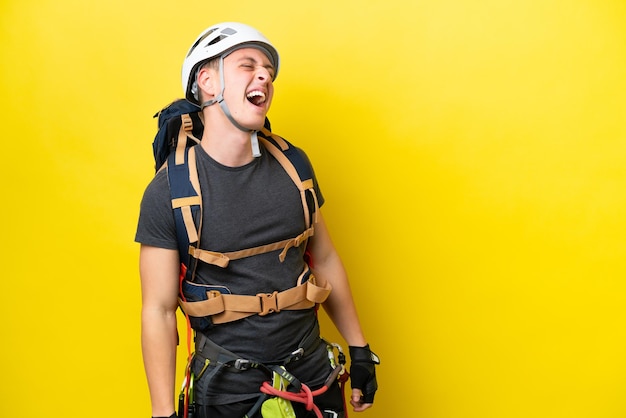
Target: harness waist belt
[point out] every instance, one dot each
(215, 353)
(226, 308)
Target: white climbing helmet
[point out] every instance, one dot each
(218, 41)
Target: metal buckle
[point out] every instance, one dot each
(330, 414)
(269, 303)
(297, 355)
(243, 364)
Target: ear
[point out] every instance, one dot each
(208, 82)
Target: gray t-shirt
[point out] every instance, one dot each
(243, 207)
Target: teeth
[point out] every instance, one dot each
(256, 93)
(256, 96)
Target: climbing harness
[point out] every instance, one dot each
(279, 391)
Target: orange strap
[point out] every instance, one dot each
(184, 132)
(185, 204)
(226, 308)
(222, 259)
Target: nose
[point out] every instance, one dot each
(263, 74)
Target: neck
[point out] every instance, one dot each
(224, 142)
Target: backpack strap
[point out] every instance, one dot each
(185, 133)
(185, 194)
(187, 205)
(300, 172)
(298, 169)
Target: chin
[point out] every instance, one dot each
(257, 124)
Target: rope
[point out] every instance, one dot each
(187, 384)
(305, 396)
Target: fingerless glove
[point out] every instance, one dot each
(363, 371)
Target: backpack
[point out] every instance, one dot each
(179, 128)
(169, 121)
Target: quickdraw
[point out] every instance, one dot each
(305, 395)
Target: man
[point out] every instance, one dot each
(249, 201)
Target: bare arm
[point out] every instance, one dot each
(328, 267)
(340, 305)
(159, 287)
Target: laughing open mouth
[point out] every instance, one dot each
(256, 97)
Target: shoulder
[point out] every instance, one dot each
(156, 220)
(294, 153)
(159, 185)
(156, 196)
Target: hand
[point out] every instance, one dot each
(363, 377)
(356, 400)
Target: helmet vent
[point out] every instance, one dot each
(193, 47)
(216, 40)
(229, 31)
(225, 33)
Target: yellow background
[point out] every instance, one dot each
(472, 155)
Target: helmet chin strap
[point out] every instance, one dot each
(254, 140)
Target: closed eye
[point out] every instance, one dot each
(248, 63)
(270, 69)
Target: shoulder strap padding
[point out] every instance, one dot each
(186, 200)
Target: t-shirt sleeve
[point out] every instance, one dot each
(156, 226)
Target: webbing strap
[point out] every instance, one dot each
(280, 141)
(189, 206)
(222, 259)
(193, 172)
(185, 203)
(225, 308)
(185, 131)
(181, 144)
(190, 226)
(185, 191)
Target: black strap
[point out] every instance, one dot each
(227, 360)
(217, 354)
(171, 416)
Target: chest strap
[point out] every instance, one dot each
(222, 259)
(226, 308)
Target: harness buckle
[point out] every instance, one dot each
(269, 303)
(243, 364)
(296, 355)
